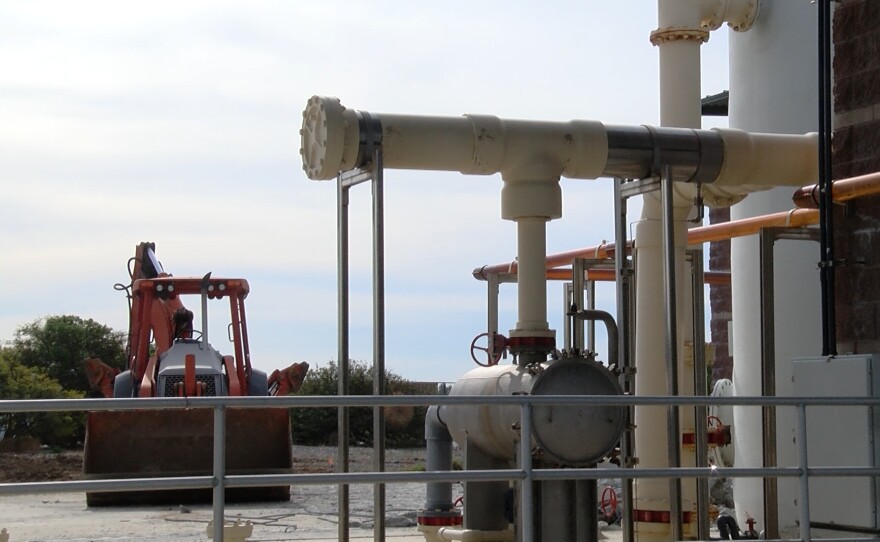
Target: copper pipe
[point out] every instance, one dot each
(704, 234)
(841, 190)
(598, 252)
(752, 225)
(607, 275)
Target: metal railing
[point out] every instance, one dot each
(523, 473)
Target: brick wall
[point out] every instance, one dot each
(856, 151)
(720, 301)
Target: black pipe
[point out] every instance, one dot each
(826, 222)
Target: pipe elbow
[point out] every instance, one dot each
(435, 427)
(706, 15)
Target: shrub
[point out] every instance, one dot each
(318, 426)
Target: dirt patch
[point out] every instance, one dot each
(40, 467)
(47, 466)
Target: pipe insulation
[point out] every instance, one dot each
(729, 163)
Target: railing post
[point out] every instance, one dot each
(804, 479)
(219, 470)
(526, 506)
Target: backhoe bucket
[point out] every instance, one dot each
(179, 442)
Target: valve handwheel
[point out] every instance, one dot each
(498, 343)
(608, 504)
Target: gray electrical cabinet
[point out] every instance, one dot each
(839, 436)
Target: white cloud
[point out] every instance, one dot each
(178, 123)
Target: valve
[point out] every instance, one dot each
(719, 434)
(496, 348)
(608, 506)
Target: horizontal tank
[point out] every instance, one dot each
(567, 434)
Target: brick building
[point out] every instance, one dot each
(856, 151)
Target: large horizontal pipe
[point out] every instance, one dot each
(704, 234)
(841, 190)
(730, 163)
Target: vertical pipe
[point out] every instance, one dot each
(205, 309)
(526, 506)
(701, 388)
(219, 470)
(531, 274)
(826, 202)
(804, 486)
(591, 325)
(492, 286)
(622, 284)
(578, 269)
(568, 322)
(784, 35)
(378, 342)
(587, 497)
(559, 510)
(438, 457)
(342, 431)
(670, 292)
(768, 381)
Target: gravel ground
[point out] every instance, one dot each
(310, 514)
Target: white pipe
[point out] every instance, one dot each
(531, 277)
(536, 152)
(474, 535)
(682, 28)
(773, 87)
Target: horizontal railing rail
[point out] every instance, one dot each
(525, 473)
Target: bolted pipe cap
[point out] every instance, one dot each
(323, 141)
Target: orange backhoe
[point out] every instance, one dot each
(168, 357)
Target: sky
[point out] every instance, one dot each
(178, 123)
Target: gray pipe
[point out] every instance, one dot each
(438, 458)
(610, 326)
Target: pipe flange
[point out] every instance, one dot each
(748, 18)
(322, 132)
(664, 35)
(531, 344)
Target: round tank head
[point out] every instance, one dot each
(577, 435)
(323, 135)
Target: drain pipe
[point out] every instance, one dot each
(439, 509)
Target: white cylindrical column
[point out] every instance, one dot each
(773, 88)
(678, 38)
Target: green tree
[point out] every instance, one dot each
(59, 344)
(18, 381)
(317, 426)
